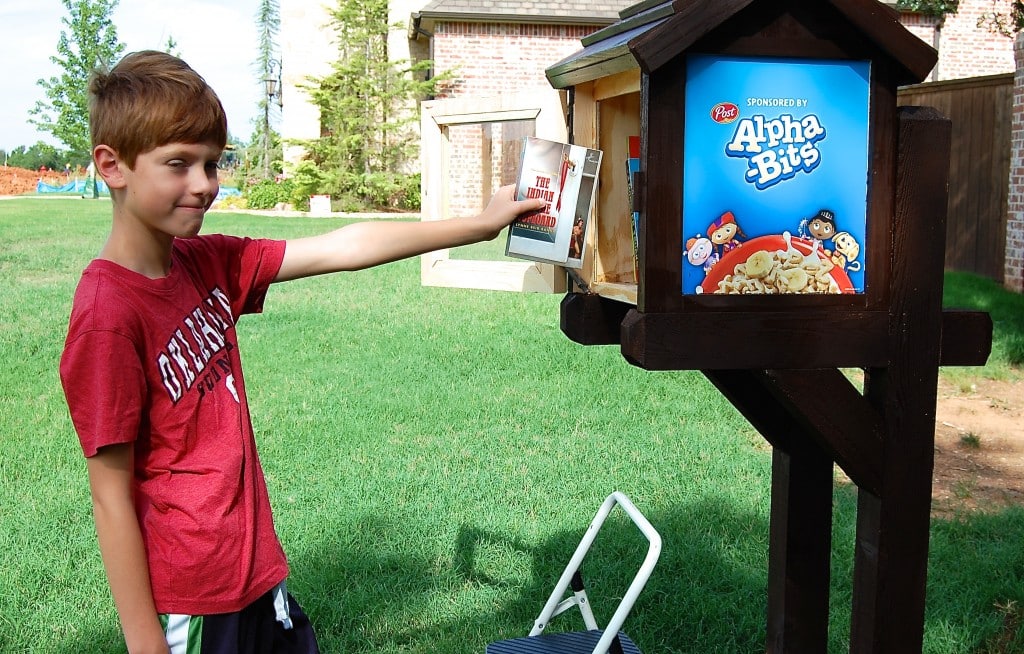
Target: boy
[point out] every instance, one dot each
(153, 378)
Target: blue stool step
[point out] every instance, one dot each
(569, 642)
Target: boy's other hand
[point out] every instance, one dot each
(504, 208)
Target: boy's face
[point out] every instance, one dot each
(171, 187)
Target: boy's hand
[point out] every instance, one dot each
(361, 245)
(504, 208)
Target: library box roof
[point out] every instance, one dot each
(651, 33)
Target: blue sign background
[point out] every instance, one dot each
(835, 92)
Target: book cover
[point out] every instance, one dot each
(565, 176)
(633, 167)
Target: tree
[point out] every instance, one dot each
(90, 43)
(171, 47)
(40, 154)
(367, 143)
(936, 8)
(1006, 24)
(268, 23)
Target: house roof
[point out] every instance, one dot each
(652, 32)
(572, 12)
(563, 12)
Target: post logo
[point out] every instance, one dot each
(724, 113)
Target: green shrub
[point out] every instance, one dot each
(383, 190)
(347, 203)
(268, 193)
(350, 192)
(307, 179)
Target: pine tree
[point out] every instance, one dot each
(268, 23)
(367, 142)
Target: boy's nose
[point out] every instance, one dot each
(202, 181)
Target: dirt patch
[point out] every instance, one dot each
(19, 181)
(979, 447)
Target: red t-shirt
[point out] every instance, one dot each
(155, 362)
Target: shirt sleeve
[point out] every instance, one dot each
(247, 265)
(260, 262)
(104, 385)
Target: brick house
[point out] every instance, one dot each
(505, 45)
(967, 46)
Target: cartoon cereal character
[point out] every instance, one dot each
(846, 251)
(723, 233)
(820, 228)
(698, 250)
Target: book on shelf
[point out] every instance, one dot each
(565, 176)
(632, 168)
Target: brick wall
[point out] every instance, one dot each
(489, 58)
(1013, 271)
(966, 48)
(927, 29)
(969, 50)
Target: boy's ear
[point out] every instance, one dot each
(108, 166)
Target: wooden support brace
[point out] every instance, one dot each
(845, 426)
(801, 339)
(891, 554)
(799, 557)
(591, 319)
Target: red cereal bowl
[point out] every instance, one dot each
(768, 243)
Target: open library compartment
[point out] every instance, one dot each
(605, 114)
(801, 97)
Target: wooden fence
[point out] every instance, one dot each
(980, 109)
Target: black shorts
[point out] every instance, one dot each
(260, 628)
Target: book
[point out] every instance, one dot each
(565, 176)
(632, 168)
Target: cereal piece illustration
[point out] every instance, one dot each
(779, 272)
(759, 265)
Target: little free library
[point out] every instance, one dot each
(786, 206)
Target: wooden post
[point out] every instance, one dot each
(891, 556)
(800, 546)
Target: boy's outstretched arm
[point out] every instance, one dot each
(367, 244)
(124, 557)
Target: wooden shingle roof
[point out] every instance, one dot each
(652, 32)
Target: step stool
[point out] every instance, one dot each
(610, 640)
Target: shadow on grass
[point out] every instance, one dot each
(367, 603)
(707, 594)
(975, 581)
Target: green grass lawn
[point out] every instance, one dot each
(434, 455)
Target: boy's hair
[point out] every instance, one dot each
(150, 99)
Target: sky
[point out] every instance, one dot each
(218, 38)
